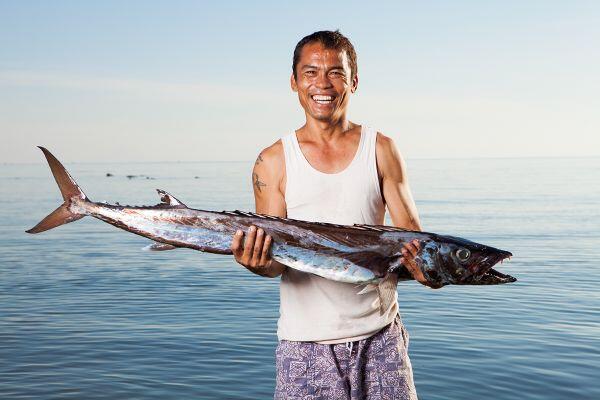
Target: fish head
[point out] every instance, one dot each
(450, 260)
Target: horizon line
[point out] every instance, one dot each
(250, 161)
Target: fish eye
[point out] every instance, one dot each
(463, 254)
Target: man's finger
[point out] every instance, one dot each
(258, 244)
(417, 243)
(249, 244)
(409, 263)
(265, 257)
(406, 253)
(236, 243)
(411, 248)
(414, 270)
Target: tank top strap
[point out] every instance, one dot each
(369, 156)
(292, 158)
(368, 143)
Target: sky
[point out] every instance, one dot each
(206, 81)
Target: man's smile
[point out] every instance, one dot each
(322, 99)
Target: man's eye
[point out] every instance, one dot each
(311, 73)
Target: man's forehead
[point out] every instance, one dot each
(316, 52)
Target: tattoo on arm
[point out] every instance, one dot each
(257, 182)
(258, 160)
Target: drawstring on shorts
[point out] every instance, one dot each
(349, 346)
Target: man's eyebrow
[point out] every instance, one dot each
(316, 67)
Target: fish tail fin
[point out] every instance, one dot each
(58, 217)
(69, 190)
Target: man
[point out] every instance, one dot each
(335, 343)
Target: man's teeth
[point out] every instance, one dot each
(322, 99)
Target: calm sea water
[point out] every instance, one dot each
(85, 314)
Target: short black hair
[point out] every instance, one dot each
(330, 40)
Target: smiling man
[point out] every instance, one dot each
(336, 340)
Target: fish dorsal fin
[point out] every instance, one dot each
(169, 200)
(271, 217)
(381, 228)
(251, 214)
(360, 227)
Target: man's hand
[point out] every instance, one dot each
(409, 252)
(254, 253)
(399, 201)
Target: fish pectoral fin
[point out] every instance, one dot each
(369, 287)
(156, 246)
(387, 292)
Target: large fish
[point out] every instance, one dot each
(362, 254)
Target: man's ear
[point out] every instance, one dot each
(293, 83)
(354, 83)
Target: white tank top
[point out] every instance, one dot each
(313, 308)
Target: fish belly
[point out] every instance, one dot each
(327, 266)
(165, 227)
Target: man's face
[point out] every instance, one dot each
(323, 82)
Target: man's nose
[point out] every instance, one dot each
(323, 81)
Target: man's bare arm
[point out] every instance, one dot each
(267, 180)
(398, 198)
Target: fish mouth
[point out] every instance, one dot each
(491, 276)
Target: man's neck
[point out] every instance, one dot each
(326, 130)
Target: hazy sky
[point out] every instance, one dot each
(193, 81)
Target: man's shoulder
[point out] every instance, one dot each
(271, 160)
(386, 147)
(272, 153)
(385, 142)
(389, 159)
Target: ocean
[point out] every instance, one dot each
(86, 314)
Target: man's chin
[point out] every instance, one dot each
(323, 117)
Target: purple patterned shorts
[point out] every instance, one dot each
(377, 367)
